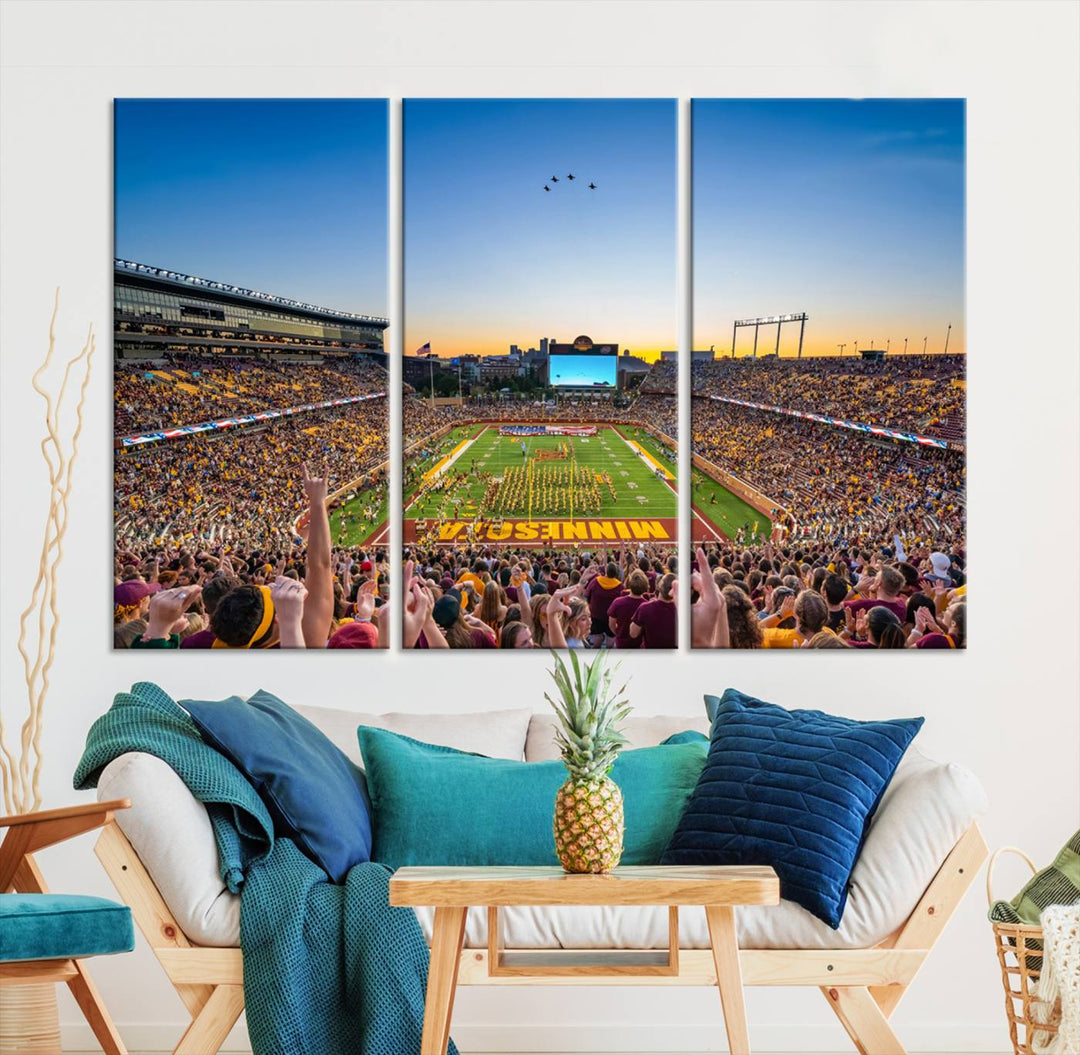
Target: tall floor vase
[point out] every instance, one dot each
(29, 1023)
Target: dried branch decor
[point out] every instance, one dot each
(21, 774)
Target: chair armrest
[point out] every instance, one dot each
(64, 812)
(30, 832)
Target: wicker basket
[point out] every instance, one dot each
(1020, 955)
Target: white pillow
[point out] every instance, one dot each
(640, 730)
(171, 832)
(497, 734)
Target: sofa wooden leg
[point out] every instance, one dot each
(864, 1021)
(888, 997)
(211, 1025)
(94, 1011)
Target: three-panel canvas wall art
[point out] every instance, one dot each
(541, 400)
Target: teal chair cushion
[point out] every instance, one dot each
(59, 926)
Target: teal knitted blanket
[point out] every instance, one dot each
(328, 969)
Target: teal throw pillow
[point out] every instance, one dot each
(687, 736)
(437, 806)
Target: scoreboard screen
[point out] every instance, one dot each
(593, 369)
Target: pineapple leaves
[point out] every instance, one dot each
(589, 714)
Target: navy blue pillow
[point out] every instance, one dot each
(791, 789)
(315, 795)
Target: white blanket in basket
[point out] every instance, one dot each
(1060, 979)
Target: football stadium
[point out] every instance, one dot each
(516, 510)
(550, 483)
(223, 395)
(828, 497)
(829, 448)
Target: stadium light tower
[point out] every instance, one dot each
(924, 346)
(888, 344)
(770, 320)
(947, 332)
(905, 346)
(842, 347)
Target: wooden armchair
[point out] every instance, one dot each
(45, 937)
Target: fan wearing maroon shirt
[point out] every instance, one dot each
(947, 631)
(646, 567)
(600, 592)
(887, 586)
(835, 589)
(621, 611)
(655, 621)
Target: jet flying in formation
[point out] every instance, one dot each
(569, 176)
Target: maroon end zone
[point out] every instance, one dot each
(551, 532)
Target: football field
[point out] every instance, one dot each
(718, 512)
(361, 520)
(616, 485)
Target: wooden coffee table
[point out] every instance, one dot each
(453, 891)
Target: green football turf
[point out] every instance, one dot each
(653, 446)
(729, 513)
(604, 452)
(357, 529)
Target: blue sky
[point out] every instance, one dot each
(283, 196)
(852, 211)
(491, 259)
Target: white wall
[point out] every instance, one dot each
(1008, 708)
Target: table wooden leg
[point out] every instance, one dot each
(725, 950)
(446, 941)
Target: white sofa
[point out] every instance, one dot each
(926, 810)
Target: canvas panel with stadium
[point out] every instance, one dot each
(539, 487)
(250, 379)
(828, 413)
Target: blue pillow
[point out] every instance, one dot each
(315, 795)
(792, 789)
(712, 705)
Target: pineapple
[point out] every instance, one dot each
(589, 807)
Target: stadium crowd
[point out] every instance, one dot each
(661, 379)
(909, 392)
(295, 591)
(487, 596)
(239, 484)
(822, 596)
(421, 419)
(834, 483)
(188, 390)
(659, 411)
